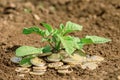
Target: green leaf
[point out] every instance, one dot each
(68, 44)
(46, 49)
(47, 26)
(83, 41)
(62, 26)
(25, 62)
(55, 32)
(86, 41)
(77, 43)
(47, 33)
(44, 39)
(33, 30)
(80, 45)
(70, 27)
(96, 39)
(27, 50)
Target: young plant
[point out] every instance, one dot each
(58, 39)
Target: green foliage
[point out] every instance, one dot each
(34, 29)
(27, 50)
(58, 39)
(47, 26)
(46, 49)
(25, 62)
(68, 44)
(70, 27)
(96, 39)
(92, 40)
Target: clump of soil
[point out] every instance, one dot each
(98, 17)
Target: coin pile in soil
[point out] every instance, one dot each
(63, 65)
(39, 66)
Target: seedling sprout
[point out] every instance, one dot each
(58, 40)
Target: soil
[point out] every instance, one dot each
(98, 17)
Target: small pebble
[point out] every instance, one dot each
(16, 59)
(118, 77)
(36, 17)
(12, 5)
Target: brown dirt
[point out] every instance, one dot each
(99, 17)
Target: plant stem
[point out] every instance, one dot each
(57, 47)
(49, 41)
(51, 44)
